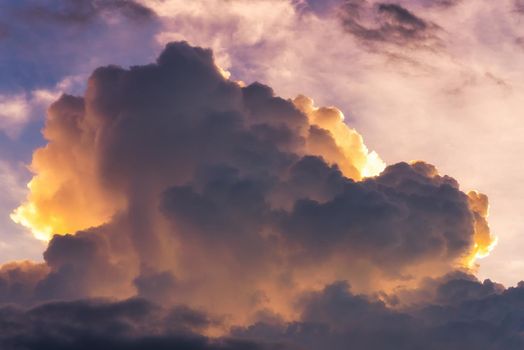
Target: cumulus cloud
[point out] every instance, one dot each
(333, 317)
(187, 188)
(18, 110)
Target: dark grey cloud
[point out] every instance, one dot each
(519, 6)
(452, 288)
(332, 318)
(18, 281)
(387, 23)
(335, 318)
(133, 324)
(78, 263)
(440, 3)
(456, 288)
(224, 171)
(329, 7)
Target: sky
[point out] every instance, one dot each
(280, 174)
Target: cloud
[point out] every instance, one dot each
(80, 13)
(337, 317)
(411, 102)
(129, 324)
(406, 212)
(519, 6)
(227, 205)
(387, 23)
(18, 280)
(170, 182)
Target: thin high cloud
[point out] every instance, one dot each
(84, 12)
(39, 59)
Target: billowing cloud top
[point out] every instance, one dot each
(186, 188)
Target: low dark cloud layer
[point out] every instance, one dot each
(387, 23)
(83, 12)
(335, 318)
(130, 324)
(519, 6)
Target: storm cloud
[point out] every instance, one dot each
(170, 182)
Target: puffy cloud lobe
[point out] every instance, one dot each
(19, 279)
(329, 6)
(187, 125)
(464, 288)
(140, 132)
(333, 317)
(403, 219)
(63, 190)
(405, 214)
(428, 95)
(452, 289)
